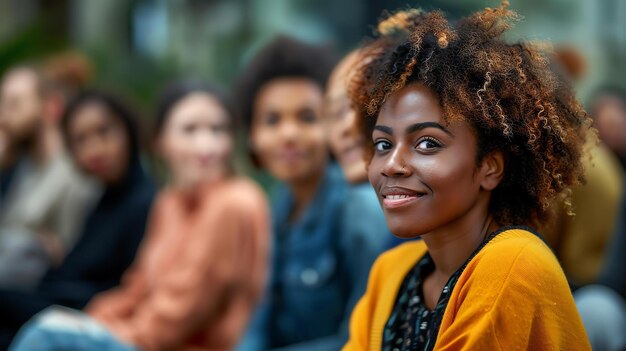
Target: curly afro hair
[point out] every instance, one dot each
(506, 92)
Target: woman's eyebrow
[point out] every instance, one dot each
(419, 126)
(384, 129)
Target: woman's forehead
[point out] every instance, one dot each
(414, 102)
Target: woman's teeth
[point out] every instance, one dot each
(396, 197)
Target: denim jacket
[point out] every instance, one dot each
(320, 267)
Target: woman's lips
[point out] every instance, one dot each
(97, 166)
(290, 155)
(206, 160)
(395, 201)
(399, 197)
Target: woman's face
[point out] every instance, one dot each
(610, 120)
(345, 140)
(287, 133)
(196, 141)
(423, 169)
(99, 142)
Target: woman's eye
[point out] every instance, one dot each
(105, 131)
(219, 128)
(382, 145)
(189, 128)
(272, 119)
(79, 140)
(307, 116)
(428, 143)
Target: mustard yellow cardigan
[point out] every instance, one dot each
(512, 295)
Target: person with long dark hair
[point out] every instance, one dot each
(101, 136)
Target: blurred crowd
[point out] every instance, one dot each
(207, 260)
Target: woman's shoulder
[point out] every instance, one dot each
(239, 193)
(233, 193)
(241, 186)
(517, 254)
(514, 243)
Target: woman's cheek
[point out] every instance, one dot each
(261, 143)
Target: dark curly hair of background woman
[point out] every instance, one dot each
(506, 92)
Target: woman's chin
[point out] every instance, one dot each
(407, 237)
(402, 227)
(402, 233)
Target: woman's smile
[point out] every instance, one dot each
(398, 197)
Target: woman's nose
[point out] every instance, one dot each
(288, 130)
(395, 164)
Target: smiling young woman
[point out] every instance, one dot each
(470, 138)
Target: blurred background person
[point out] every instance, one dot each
(320, 257)
(100, 133)
(201, 270)
(583, 242)
(608, 110)
(602, 305)
(44, 199)
(343, 137)
(580, 241)
(347, 145)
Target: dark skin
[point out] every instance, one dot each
(425, 174)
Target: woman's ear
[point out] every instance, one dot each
(492, 170)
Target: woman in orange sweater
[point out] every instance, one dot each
(202, 266)
(470, 138)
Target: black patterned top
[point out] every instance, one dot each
(411, 325)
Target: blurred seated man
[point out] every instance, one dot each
(43, 199)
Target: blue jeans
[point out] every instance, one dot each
(82, 334)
